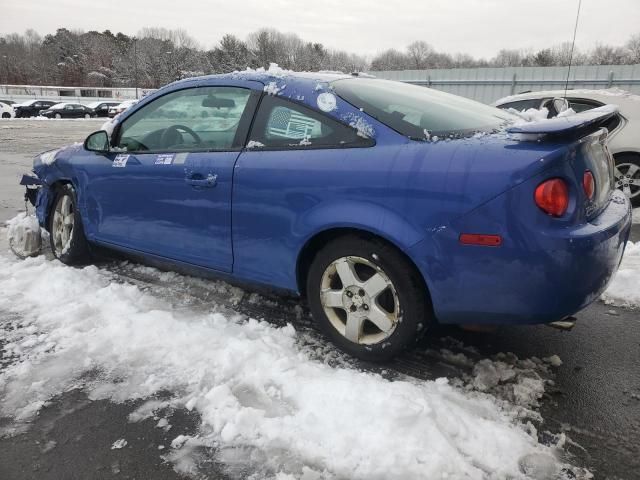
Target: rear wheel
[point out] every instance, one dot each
(367, 297)
(67, 239)
(6, 115)
(627, 175)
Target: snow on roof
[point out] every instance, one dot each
(274, 72)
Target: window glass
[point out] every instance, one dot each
(521, 105)
(418, 112)
(582, 105)
(204, 118)
(281, 123)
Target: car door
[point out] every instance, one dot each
(291, 162)
(168, 191)
(69, 111)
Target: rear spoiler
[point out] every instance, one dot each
(567, 125)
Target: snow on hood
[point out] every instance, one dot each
(259, 393)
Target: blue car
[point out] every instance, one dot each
(388, 206)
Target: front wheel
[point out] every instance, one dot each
(67, 239)
(6, 115)
(58, 116)
(367, 297)
(87, 116)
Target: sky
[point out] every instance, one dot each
(477, 27)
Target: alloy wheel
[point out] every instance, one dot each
(627, 177)
(359, 300)
(62, 225)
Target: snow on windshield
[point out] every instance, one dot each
(58, 106)
(262, 393)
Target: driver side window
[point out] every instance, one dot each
(194, 119)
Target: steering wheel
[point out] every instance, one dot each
(172, 135)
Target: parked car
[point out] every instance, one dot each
(121, 107)
(31, 108)
(67, 110)
(6, 111)
(342, 191)
(624, 128)
(101, 109)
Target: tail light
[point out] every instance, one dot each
(552, 197)
(589, 184)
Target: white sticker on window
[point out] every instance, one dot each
(326, 102)
(180, 158)
(165, 159)
(120, 161)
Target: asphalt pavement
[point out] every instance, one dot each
(594, 399)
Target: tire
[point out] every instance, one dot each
(58, 116)
(87, 116)
(402, 297)
(6, 115)
(627, 175)
(66, 233)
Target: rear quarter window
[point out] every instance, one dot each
(419, 112)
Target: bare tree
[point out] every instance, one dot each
(633, 48)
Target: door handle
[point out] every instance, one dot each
(197, 180)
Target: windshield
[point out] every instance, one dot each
(419, 112)
(58, 106)
(94, 104)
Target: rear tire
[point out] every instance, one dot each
(66, 234)
(6, 115)
(627, 175)
(367, 297)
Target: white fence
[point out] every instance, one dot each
(489, 84)
(21, 93)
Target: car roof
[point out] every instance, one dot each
(303, 87)
(266, 76)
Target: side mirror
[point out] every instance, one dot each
(97, 142)
(560, 104)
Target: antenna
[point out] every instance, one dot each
(573, 44)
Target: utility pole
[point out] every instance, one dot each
(135, 64)
(6, 69)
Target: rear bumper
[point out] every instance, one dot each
(535, 276)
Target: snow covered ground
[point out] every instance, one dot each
(624, 290)
(271, 406)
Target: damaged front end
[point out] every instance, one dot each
(38, 184)
(25, 238)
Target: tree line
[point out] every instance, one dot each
(156, 56)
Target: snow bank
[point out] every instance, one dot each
(624, 290)
(24, 235)
(262, 399)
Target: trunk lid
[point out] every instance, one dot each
(594, 155)
(589, 134)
